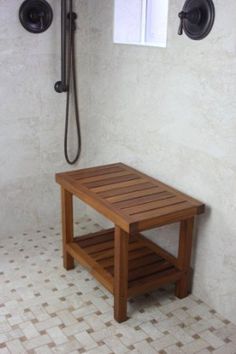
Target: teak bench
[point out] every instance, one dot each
(122, 259)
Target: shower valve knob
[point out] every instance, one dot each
(181, 16)
(193, 16)
(36, 15)
(197, 18)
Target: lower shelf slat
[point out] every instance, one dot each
(136, 254)
(154, 281)
(137, 263)
(149, 265)
(95, 238)
(110, 253)
(150, 269)
(96, 269)
(143, 261)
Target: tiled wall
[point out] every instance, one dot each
(172, 113)
(31, 120)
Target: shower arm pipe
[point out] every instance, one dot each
(61, 86)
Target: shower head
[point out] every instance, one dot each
(35, 15)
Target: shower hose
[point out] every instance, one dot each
(72, 88)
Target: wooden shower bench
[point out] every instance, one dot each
(121, 258)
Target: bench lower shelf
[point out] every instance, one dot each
(149, 266)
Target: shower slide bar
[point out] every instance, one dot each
(68, 82)
(61, 86)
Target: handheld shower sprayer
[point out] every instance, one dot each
(68, 82)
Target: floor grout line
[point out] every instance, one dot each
(45, 309)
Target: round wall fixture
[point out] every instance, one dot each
(197, 18)
(35, 15)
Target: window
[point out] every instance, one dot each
(141, 22)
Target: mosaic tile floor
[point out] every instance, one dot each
(44, 309)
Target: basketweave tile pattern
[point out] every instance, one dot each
(45, 309)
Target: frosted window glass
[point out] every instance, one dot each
(156, 23)
(142, 22)
(127, 22)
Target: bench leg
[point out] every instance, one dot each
(67, 226)
(120, 274)
(184, 257)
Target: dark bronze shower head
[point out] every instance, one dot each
(197, 18)
(35, 15)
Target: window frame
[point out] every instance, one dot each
(143, 28)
